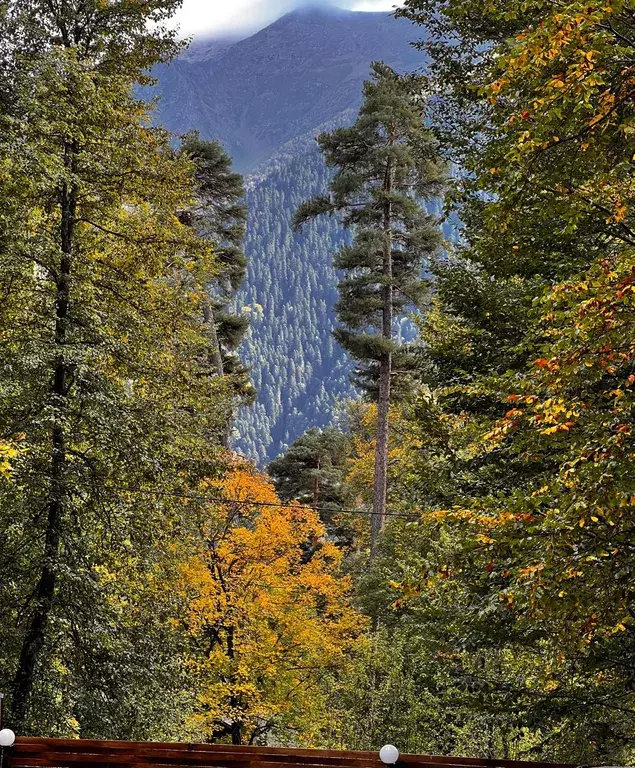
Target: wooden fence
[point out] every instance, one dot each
(65, 753)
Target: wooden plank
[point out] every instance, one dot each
(217, 754)
(31, 752)
(233, 760)
(248, 757)
(190, 759)
(210, 757)
(89, 745)
(119, 758)
(90, 761)
(205, 757)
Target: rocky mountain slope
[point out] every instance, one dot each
(286, 80)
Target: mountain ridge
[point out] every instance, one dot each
(300, 72)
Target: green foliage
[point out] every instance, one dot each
(220, 216)
(299, 371)
(500, 595)
(412, 687)
(103, 371)
(524, 474)
(313, 472)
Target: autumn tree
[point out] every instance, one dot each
(266, 624)
(103, 354)
(528, 348)
(385, 169)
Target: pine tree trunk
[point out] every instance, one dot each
(316, 487)
(381, 452)
(217, 361)
(380, 487)
(45, 591)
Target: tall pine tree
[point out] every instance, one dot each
(385, 168)
(220, 215)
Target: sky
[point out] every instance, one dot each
(235, 17)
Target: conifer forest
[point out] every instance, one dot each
(317, 377)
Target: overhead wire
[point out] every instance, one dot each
(282, 504)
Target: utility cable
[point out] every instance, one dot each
(286, 505)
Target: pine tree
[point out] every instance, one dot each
(220, 215)
(313, 471)
(385, 168)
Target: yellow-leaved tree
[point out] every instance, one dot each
(268, 614)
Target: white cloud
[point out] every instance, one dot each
(225, 17)
(375, 5)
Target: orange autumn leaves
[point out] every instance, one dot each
(587, 327)
(557, 544)
(268, 613)
(571, 84)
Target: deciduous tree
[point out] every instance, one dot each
(267, 624)
(102, 354)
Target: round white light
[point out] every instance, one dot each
(7, 737)
(389, 754)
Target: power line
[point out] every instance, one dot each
(284, 505)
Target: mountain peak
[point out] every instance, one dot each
(315, 7)
(312, 13)
(283, 83)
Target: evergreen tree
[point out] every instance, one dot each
(313, 471)
(220, 215)
(386, 166)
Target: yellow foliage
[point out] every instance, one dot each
(8, 452)
(268, 613)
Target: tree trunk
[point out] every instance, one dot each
(381, 452)
(316, 487)
(380, 487)
(45, 590)
(235, 702)
(237, 731)
(217, 361)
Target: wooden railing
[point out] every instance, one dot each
(79, 753)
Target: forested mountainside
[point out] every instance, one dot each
(298, 368)
(300, 371)
(265, 98)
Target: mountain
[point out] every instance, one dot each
(304, 70)
(266, 97)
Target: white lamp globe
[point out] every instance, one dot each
(389, 754)
(7, 737)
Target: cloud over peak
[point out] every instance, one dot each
(221, 18)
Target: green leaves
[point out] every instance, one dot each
(102, 370)
(528, 350)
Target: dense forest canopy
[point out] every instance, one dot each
(154, 584)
